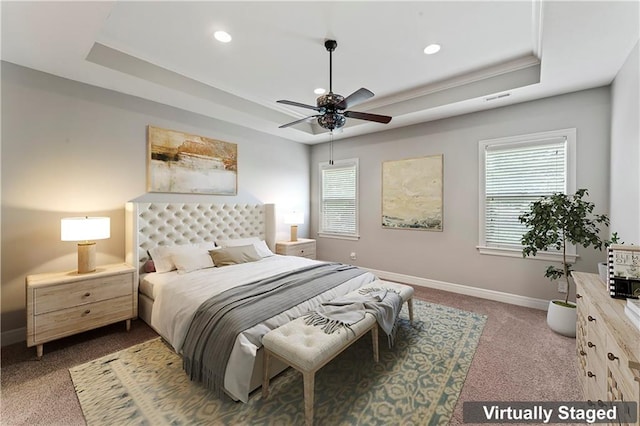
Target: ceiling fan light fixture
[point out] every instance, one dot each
(222, 36)
(331, 121)
(431, 49)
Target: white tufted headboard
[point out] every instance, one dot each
(152, 224)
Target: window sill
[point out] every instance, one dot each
(508, 252)
(339, 236)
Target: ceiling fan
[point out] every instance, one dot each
(331, 107)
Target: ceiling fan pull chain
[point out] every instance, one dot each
(331, 148)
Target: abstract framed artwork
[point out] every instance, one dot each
(412, 193)
(185, 163)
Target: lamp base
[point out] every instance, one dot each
(294, 232)
(86, 257)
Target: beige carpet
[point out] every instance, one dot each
(418, 381)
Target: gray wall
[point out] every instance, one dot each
(70, 149)
(625, 150)
(451, 256)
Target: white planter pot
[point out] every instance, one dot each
(561, 319)
(603, 271)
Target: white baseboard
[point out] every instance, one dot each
(482, 293)
(16, 335)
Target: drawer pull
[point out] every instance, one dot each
(590, 374)
(87, 294)
(578, 296)
(590, 318)
(87, 312)
(591, 345)
(583, 353)
(611, 357)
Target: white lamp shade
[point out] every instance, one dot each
(294, 218)
(85, 228)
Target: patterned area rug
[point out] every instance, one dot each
(418, 381)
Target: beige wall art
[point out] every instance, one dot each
(412, 193)
(185, 163)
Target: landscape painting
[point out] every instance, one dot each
(412, 193)
(185, 163)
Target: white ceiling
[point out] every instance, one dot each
(163, 51)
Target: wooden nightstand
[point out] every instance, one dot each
(301, 248)
(65, 303)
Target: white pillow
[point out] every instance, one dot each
(192, 261)
(162, 255)
(237, 242)
(260, 245)
(262, 249)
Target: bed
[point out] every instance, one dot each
(167, 301)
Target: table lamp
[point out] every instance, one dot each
(294, 219)
(85, 230)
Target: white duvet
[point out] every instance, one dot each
(177, 297)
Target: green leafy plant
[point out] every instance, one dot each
(559, 219)
(615, 239)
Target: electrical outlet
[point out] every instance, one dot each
(562, 286)
(353, 255)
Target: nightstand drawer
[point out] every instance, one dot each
(306, 250)
(53, 298)
(54, 325)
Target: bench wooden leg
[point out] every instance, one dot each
(374, 337)
(410, 306)
(265, 373)
(309, 383)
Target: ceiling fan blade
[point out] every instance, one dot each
(298, 104)
(369, 117)
(355, 98)
(293, 123)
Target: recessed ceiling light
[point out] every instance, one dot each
(222, 36)
(431, 49)
(319, 91)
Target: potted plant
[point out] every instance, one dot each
(554, 221)
(603, 267)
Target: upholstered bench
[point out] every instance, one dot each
(307, 348)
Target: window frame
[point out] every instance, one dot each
(354, 162)
(570, 187)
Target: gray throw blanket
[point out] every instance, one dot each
(219, 320)
(343, 312)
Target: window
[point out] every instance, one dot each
(514, 172)
(339, 199)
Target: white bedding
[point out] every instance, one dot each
(177, 296)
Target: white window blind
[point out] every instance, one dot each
(515, 177)
(339, 198)
(515, 172)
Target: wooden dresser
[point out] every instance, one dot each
(607, 344)
(301, 248)
(65, 303)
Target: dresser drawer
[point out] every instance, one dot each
(621, 384)
(65, 322)
(53, 298)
